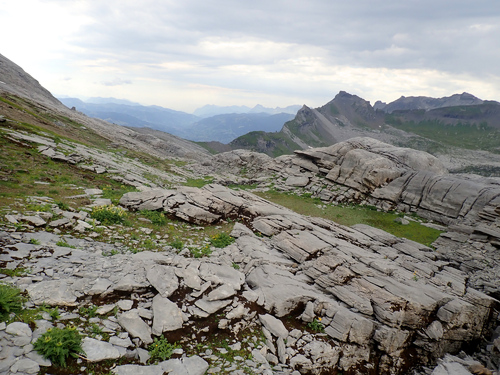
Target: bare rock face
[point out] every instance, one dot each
(381, 299)
(367, 171)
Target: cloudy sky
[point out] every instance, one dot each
(185, 54)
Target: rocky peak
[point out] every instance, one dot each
(428, 103)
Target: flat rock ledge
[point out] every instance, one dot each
(381, 299)
(366, 171)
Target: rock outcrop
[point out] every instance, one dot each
(379, 297)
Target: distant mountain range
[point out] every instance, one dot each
(426, 103)
(213, 110)
(213, 123)
(430, 124)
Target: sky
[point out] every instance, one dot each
(186, 54)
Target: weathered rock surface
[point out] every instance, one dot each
(372, 290)
(380, 304)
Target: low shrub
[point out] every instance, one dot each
(109, 214)
(58, 345)
(316, 325)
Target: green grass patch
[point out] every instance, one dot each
(116, 192)
(156, 217)
(200, 252)
(350, 215)
(242, 187)
(462, 134)
(221, 240)
(199, 182)
(109, 214)
(15, 272)
(63, 243)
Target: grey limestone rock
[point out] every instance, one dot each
(21, 333)
(37, 221)
(96, 350)
(211, 307)
(53, 293)
(26, 366)
(166, 316)
(194, 365)
(135, 326)
(275, 326)
(163, 279)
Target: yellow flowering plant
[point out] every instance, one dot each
(58, 345)
(109, 214)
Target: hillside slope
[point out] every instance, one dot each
(22, 92)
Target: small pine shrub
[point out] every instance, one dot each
(58, 345)
(11, 301)
(109, 214)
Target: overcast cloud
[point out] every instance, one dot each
(184, 54)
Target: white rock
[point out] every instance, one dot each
(96, 350)
(166, 316)
(274, 325)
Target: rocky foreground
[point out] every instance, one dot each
(292, 294)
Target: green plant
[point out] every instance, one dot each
(90, 311)
(63, 243)
(316, 325)
(58, 344)
(116, 192)
(198, 252)
(62, 206)
(11, 301)
(54, 313)
(161, 350)
(34, 241)
(109, 214)
(110, 253)
(149, 244)
(236, 266)
(156, 217)
(199, 182)
(95, 330)
(177, 244)
(221, 240)
(15, 272)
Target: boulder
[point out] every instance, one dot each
(166, 316)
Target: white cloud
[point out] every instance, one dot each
(185, 54)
